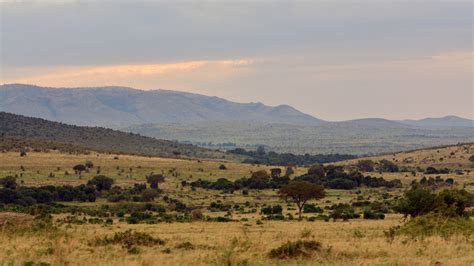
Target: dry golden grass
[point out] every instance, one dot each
(358, 242)
(39, 165)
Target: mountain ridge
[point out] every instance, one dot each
(119, 107)
(122, 106)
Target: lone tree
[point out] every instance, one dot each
(101, 182)
(79, 168)
(153, 180)
(300, 192)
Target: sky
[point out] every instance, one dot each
(335, 60)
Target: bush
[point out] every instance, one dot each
(371, 215)
(101, 182)
(388, 166)
(222, 167)
(270, 210)
(89, 164)
(295, 249)
(366, 165)
(420, 200)
(311, 208)
(436, 224)
(128, 239)
(8, 182)
(343, 211)
(185, 245)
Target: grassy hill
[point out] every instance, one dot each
(17, 127)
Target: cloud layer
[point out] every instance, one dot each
(337, 60)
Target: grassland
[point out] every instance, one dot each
(244, 241)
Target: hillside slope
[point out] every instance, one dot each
(120, 106)
(97, 138)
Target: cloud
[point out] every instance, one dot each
(136, 75)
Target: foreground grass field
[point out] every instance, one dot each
(246, 240)
(357, 242)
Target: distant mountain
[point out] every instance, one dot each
(213, 122)
(20, 127)
(447, 121)
(120, 106)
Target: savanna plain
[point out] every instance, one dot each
(136, 210)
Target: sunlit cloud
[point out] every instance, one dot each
(115, 74)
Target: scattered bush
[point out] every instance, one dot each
(295, 249)
(128, 239)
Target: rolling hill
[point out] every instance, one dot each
(17, 127)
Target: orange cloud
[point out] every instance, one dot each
(107, 75)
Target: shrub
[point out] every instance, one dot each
(153, 180)
(366, 165)
(8, 182)
(295, 249)
(436, 224)
(343, 211)
(89, 164)
(185, 245)
(371, 215)
(311, 208)
(471, 158)
(197, 215)
(222, 167)
(388, 166)
(101, 182)
(420, 200)
(277, 209)
(129, 239)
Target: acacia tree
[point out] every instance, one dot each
(153, 180)
(300, 192)
(79, 168)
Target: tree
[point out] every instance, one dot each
(153, 180)
(79, 168)
(8, 182)
(300, 192)
(101, 182)
(388, 166)
(316, 170)
(471, 158)
(275, 172)
(366, 165)
(289, 171)
(259, 179)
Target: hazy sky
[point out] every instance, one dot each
(335, 60)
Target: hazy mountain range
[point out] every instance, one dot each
(216, 122)
(120, 106)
